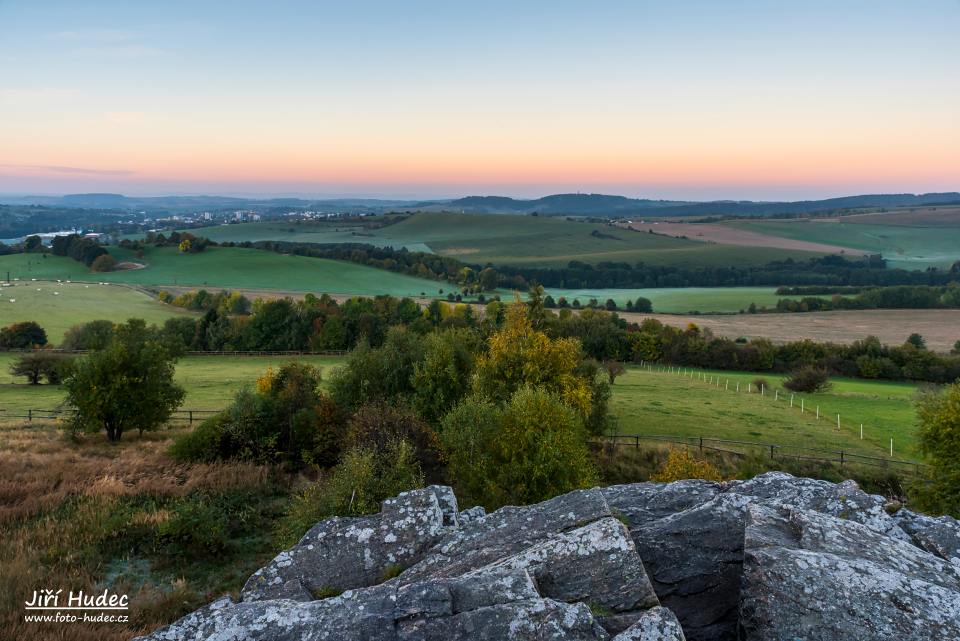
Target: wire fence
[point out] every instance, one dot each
(257, 352)
(774, 451)
(788, 400)
(46, 415)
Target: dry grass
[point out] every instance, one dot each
(939, 327)
(62, 504)
(727, 235)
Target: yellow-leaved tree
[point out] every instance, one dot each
(520, 356)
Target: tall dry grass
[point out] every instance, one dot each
(57, 499)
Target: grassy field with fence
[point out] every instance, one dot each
(646, 401)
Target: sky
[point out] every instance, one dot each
(681, 99)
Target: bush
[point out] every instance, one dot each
(41, 363)
(378, 425)
(761, 384)
(680, 464)
(356, 486)
(808, 379)
(104, 263)
(939, 415)
(88, 336)
(528, 450)
(287, 419)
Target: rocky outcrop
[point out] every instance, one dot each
(775, 557)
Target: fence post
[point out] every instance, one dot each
(636, 441)
(841, 458)
(190, 413)
(701, 443)
(771, 451)
(30, 418)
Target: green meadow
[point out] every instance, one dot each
(509, 240)
(644, 402)
(59, 306)
(228, 267)
(668, 300)
(906, 247)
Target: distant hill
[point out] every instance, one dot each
(558, 204)
(620, 206)
(598, 205)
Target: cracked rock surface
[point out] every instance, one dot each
(775, 557)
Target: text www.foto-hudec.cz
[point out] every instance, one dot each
(55, 606)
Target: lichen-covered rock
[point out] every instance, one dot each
(937, 535)
(656, 624)
(597, 563)
(772, 558)
(346, 553)
(816, 577)
(694, 560)
(505, 532)
(493, 606)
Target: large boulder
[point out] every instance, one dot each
(346, 553)
(812, 576)
(772, 558)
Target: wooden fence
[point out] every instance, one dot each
(774, 451)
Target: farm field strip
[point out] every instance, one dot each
(729, 235)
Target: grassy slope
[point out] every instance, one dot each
(230, 267)
(644, 402)
(58, 306)
(651, 402)
(903, 246)
(512, 240)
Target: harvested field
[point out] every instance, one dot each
(918, 217)
(726, 235)
(939, 327)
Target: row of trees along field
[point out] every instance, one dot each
(827, 270)
(503, 411)
(321, 323)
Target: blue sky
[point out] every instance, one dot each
(664, 99)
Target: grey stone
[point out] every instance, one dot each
(816, 577)
(488, 607)
(656, 624)
(694, 561)
(597, 564)
(505, 532)
(937, 535)
(346, 553)
(472, 514)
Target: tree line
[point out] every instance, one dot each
(897, 297)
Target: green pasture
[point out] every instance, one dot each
(679, 300)
(510, 240)
(906, 247)
(59, 306)
(644, 402)
(654, 402)
(228, 267)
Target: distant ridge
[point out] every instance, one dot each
(599, 205)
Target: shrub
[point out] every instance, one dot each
(808, 379)
(761, 384)
(680, 464)
(103, 263)
(528, 450)
(41, 363)
(88, 336)
(356, 486)
(939, 415)
(378, 425)
(286, 419)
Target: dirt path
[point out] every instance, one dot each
(726, 235)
